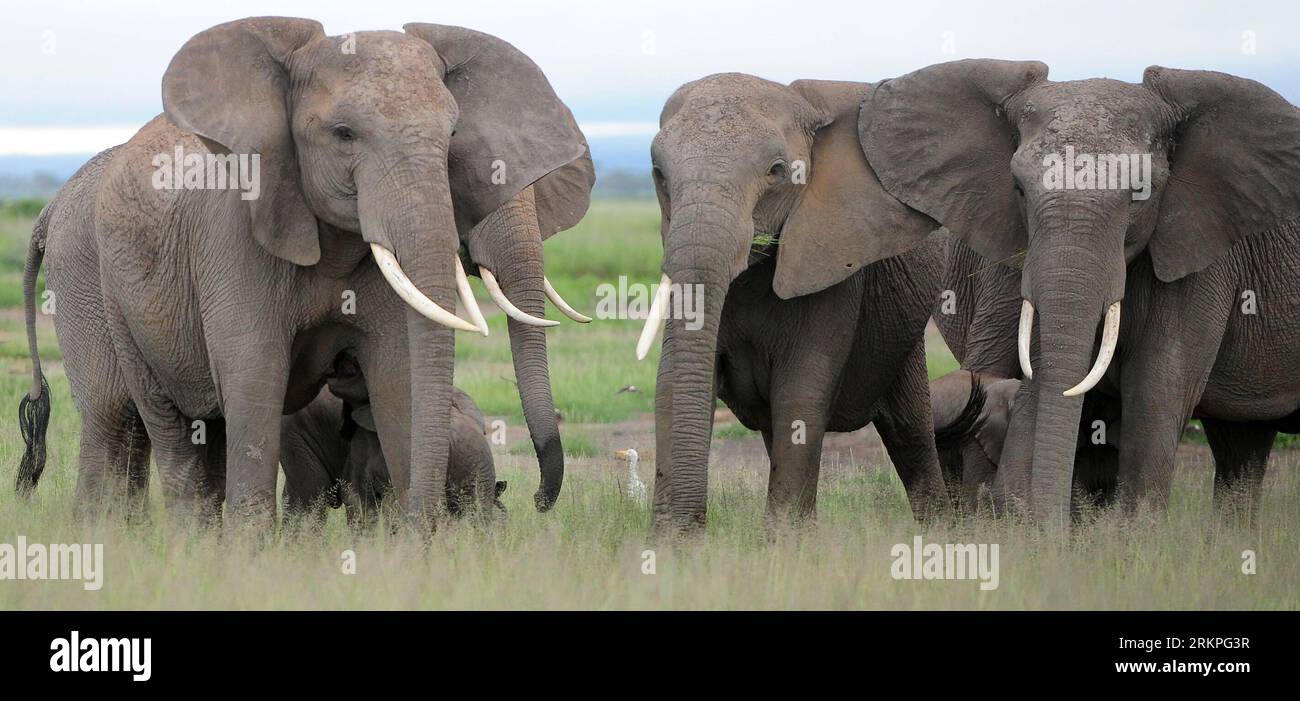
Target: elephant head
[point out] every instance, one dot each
(736, 155)
(405, 139)
(1081, 178)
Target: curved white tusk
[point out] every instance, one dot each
(410, 294)
(655, 319)
(467, 299)
(490, 281)
(1026, 328)
(562, 305)
(1109, 337)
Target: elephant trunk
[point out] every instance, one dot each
(407, 214)
(707, 246)
(508, 244)
(1068, 288)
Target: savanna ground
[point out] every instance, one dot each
(588, 552)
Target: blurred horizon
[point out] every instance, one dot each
(80, 76)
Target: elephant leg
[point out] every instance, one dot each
(1240, 459)
(253, 379)
(907, 429)
(794, 444)
(1164, 377)
(103, 468)
(213, 454)
(136, 456)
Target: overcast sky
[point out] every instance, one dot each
(98, 64)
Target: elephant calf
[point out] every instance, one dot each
(330, 454)
(972, 411)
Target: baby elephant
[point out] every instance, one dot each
(330, 454)
(971, 413)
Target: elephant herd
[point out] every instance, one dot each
(1106, 260)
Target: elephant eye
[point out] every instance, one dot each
(343, 132)
(777, 169)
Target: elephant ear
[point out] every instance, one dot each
(939, 140)
(843, 219)
(1234, 172)
(229, 85)
(513, 132)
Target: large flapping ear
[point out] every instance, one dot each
(1235, 168)
(843, 219)
(940, 140)
(513, 132)
(229, 85)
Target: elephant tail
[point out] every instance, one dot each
(34, 409)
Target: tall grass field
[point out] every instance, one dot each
(591, 551)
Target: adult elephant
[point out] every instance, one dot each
(230, 308)
(736, 155)
(1183, 252)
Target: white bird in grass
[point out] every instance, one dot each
(635, 487)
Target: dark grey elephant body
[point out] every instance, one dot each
(737, 155)
(835, 361)
(231, 311)
(969, 143)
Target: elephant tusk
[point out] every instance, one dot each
(1026, 328)
(1109, 337)
(562, 305)
(655, 318)
(410, 294)
(467, 299)
(490, 281)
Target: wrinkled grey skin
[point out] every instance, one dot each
(964, 142)
(729, 160)
(331, 457)
(971, 414)
(230, 311)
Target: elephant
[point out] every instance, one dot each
(373, 169)
(736, 155)
(972, 411)
(1179, 210)
(331, 456)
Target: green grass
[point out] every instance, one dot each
(588, 552)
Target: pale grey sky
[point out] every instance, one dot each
(91, 63)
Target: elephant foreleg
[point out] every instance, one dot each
(800, 408)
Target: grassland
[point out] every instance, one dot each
(590, 551)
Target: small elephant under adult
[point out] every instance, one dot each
(330, 455)
(971, 414)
